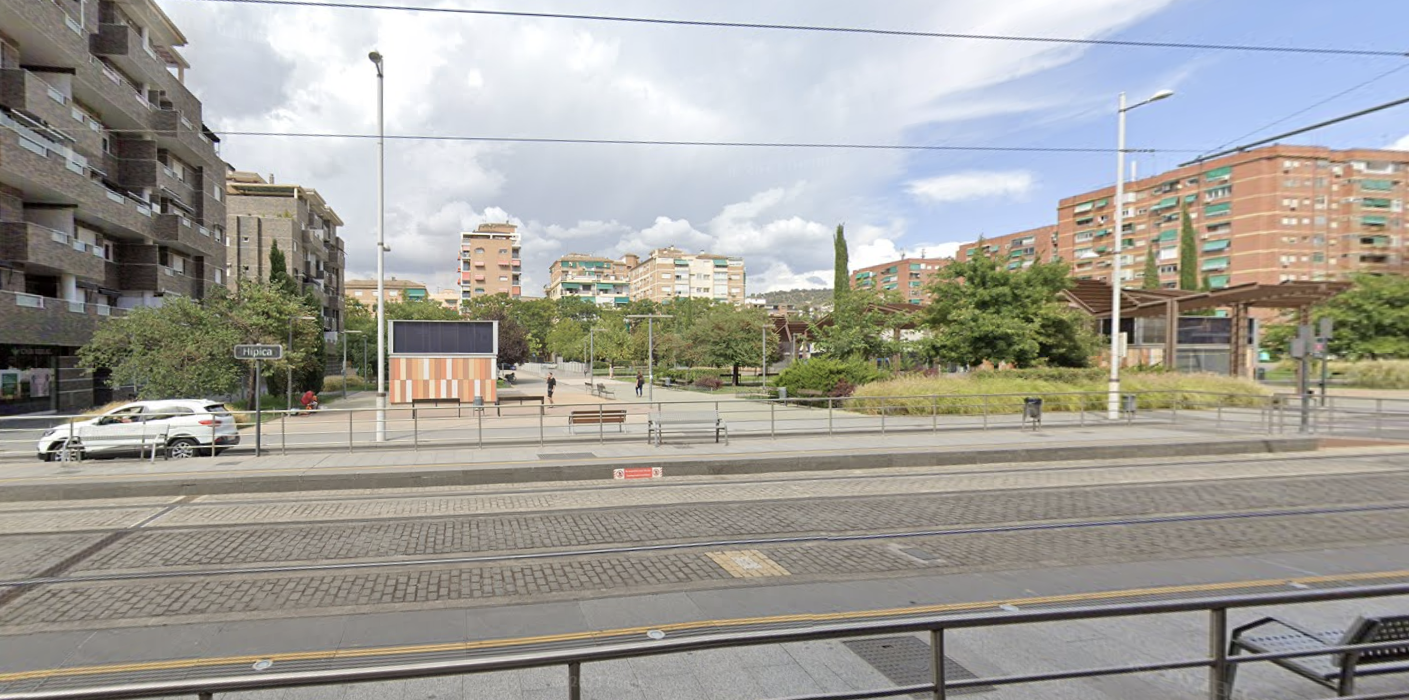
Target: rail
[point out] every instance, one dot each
(1216, 662)
(351, 429)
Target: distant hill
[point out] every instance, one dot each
(798, 297)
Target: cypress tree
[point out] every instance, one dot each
(841, 274)
(1188, 252)
(1151, 267)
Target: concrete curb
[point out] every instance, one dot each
(334, 479)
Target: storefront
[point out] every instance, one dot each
(29, 378)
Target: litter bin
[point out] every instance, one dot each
(667, 381)
(783, 393)
(1127, 405)
(1260, 374)
(1032, 411)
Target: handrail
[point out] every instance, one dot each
(1216, 662)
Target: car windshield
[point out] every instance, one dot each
(217, 409)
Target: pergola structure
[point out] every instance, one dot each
(798, 332)
(1094, 297)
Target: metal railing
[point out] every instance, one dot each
(1217, 663)
(516, 424)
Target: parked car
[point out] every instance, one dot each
(191, 427)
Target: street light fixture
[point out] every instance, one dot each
(376, 59)
(346, 333)
(289, 390)
(1113, 400)
(650, 349)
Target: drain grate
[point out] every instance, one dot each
(905, 660)
(566, 455)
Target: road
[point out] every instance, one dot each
(486, 562)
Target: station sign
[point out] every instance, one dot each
(259, 352)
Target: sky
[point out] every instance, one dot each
(260, 68)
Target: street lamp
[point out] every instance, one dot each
(345, 333)
(376, 59)
(289, 390)
(1113, 400)
(650, 349)
(592, 352)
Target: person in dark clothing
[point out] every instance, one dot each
(552, 384)
(640, 382)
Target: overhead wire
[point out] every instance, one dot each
(1125, 43)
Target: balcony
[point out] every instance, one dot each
(174, 126)
(27, 318)
(180, 231)
(124, 46)
(27, 92)
(41, 247)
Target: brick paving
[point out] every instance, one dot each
(27, 555)
(226, 546)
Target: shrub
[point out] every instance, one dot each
(823, 374)
(1003, 392)
(842, 389)
(708, 382)
(1375, 374)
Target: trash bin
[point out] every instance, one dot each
(1260, 374)
(1127, 404)
(1032, 410)
(783, 393)
(667, 381)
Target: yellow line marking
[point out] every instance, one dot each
(747, 563)
(335, 654)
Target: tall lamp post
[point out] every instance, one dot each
(1113, 400)
(650, 350)
(376, 59)
(289, 390)
(346, 333)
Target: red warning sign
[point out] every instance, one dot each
(637, 473)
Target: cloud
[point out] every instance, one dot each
(1401, 145)
(972, 185)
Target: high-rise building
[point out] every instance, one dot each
(908, 277)
(1267, 215)
(1016, 251)
(602, 281)
(670, 273)
(490, 261)
(262, 213)
(111, 186)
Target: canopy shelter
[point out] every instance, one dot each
(792, 332)
(1094, 297)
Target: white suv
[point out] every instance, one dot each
(186, 427)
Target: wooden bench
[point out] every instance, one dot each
(598, 417)
(605, 393)
(686, 422)
(1336, 671)
(506, 397)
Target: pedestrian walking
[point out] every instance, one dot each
(552, 384)
(640, 382)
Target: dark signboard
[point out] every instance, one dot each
(444, 338)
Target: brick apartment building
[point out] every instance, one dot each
(907, 277)
(1268, 215)
(671, 273)
(602, 281)
(111, 186)
(1016, 251)
(490, 262)
(364, 292)
(261, 213)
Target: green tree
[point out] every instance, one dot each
(1188, 251)
(279, 270)
(858, 328)
(726, 336)
(568, 340)
(181, 349)
(984, 312)
(1370, 320)
(1151, 267)
(841, 273)
(537, 317)
(261, 313)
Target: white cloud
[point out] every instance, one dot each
(1401, 145)
(972, 185)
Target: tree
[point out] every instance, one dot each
(726, 336)
(568, 340)
(1188, 251)
(983, 312)
(857, 328)
(841, 273)
(1151, 267)
(1371, 320)
(181, 349)
(279, 270)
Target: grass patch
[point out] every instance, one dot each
(964, 395)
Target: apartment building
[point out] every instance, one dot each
(671, 273)
(602, 281)
(1016, 251)
(908, 277)
(490, 261)
(111, 186)
(1268, 215)
(449, 298)
(260, 213)
(364, 292)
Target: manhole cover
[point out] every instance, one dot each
(567, 455)
(905, 660)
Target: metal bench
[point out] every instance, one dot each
(686, 422)
(435, 403)
(590, 389)
(1336, 671)
(605, 393)
(599, 417)
(506, 397)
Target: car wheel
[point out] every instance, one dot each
(62, 452)
(182, 448)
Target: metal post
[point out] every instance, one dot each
(829, 416)
(381, 251)
(289, 378)
(985, 411)
(601, 430)
(1379, 407)
(937, 649)
(763, 368)
(284, 433)
(651, 355)
(258, 413)
(344, 365)
(349, 431)
(68, 446)
(1219, 669)
(934, 413)
(1113, 391)
(575, 680)
(480, 420)
(772, 413)
(883, 416)
(415, 430)
(1325, 375)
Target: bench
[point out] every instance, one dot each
(598, 418)
(506, 397)
(590, 389)
(605, 393)
(1336, 671)
(435, 403)
(692, 422)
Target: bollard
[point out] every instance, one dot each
(934, 413)
(349, 432)
(784, 391)
(772, 411)
(283, 433)
(415, 430)
(883, 416)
